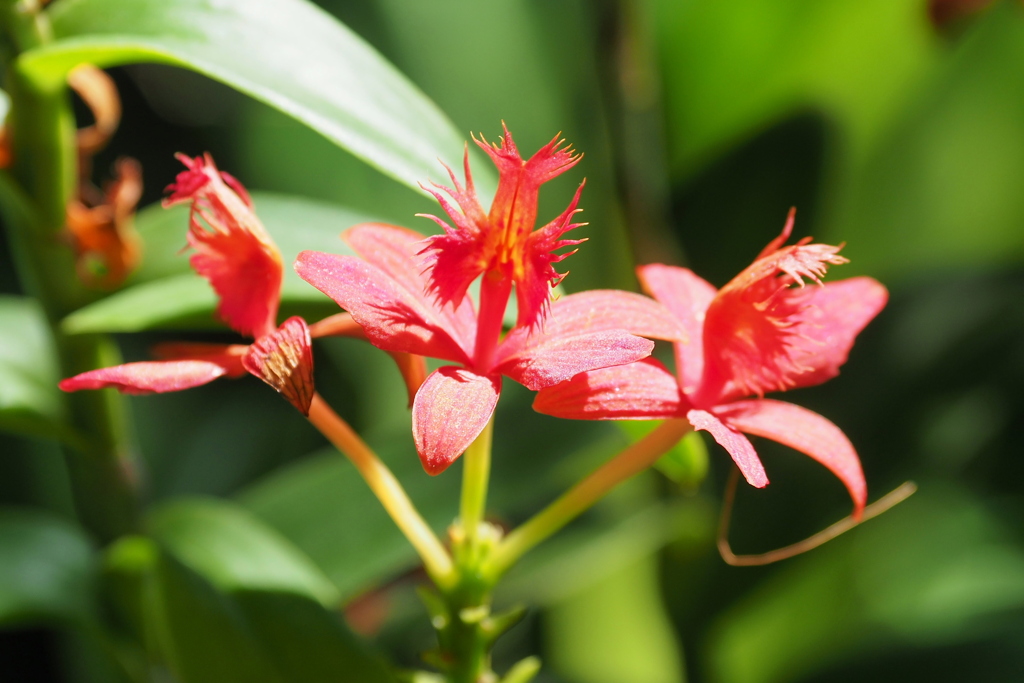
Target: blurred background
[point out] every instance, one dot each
(894, 126)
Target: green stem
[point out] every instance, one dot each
(388, 490)
(583, 495)
(41, 126)
(476, 464)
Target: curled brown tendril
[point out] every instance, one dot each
(891, 499)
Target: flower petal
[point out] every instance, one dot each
(451, 409)
(804, 431)
(396, 251)
(147, 377)
(600, 310)
(739, 446)
(645, 390)
(549, 360)
(751, 341)
(832, 318)
(232, 248)
(228, 356)
(394, 318)
(284, 360)
(687, 296)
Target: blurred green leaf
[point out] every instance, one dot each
(286, 53)
(205, 634)
(165, 293)
(937, 569)
(307, 642)
(234, 550)
(615, 631)
(323, 506)
(46, 568)
(29, 398)
(686, 463)
(942, 188)
(730, 69)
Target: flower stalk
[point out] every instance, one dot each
(583, 495)
(387, 488)
(475, 475)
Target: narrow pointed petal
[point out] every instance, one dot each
(739, 446)
(687, 296)
(284, 360)
(830, 321)
(645, 390)
(393, 318)
(451, 409)
(147, 377)
(396, 251)
(228, 356)
(804, 431)
(550, 360)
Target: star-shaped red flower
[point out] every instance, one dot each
(408, 293)
(764, 331)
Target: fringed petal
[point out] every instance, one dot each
(751, 337)
(645, 390)
(451, 409)
(232, 248)
(831, 318)
(284, 360)
(806, 432)
(738, 446)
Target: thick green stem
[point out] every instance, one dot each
(476, 464)
(41, 129)
(583, 495)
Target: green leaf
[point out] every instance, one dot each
(205, 634)
(726, 78)
(616, 631)
(686, 463)
(165, 293)
(46, 568)
(286, 53)
(309, 643)
(234, 550)
(323, 506)
(29, 398)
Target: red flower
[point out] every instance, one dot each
(411, 298)
(234, 252)
(757, 334)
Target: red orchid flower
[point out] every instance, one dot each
(759, 333)
(235, 254)
(409, 294)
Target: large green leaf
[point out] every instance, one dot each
(731, 69)
(165, 293)
(29, 398)
(210, 627)
(286, 53)
(46, 568)
(235, 551)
